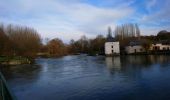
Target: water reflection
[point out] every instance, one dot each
(113, 63)
(124, 63)
(23, 73)
(92, 78)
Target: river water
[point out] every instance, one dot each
(84, 77)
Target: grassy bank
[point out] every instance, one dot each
(14, 60)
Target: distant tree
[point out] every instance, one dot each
(97, 45)
(5, 43)
(151, 38)
(127, 30)
(163, 35)
(146, 44)
(56, 47)
(82, 44)
(89, 46)
(109, 32)
(73, 47)
(26, 41)
(3, 40)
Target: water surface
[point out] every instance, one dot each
(84, 77)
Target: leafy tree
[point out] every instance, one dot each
(56, 47)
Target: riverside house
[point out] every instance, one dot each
(134, 47)
(160, 46)
(112, 47)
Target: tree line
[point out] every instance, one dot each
(127, 30)
(25, 41)
(56, 47)
(18, 40)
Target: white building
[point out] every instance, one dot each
(112, 47)
(160, 46)
(134, 47)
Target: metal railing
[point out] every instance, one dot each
(5, 93)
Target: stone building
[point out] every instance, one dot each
(112, 46)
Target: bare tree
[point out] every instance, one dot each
(26, 41)
(109, 32)
(127, 30)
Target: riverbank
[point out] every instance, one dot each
(15, 60)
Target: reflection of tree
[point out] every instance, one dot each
(132, 62)
(124, 65)
(141, 60)
(26, 72)
(161, 59)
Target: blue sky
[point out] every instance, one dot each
(70, 19)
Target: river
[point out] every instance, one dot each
(82, 77)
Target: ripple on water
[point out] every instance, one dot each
(92, 78)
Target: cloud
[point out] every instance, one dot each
(159, 19)
(61, 18)
(150, 4)
(69, 19)
(153, 30)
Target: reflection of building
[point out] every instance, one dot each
(159, 59)
(113, 63)
(134, 47)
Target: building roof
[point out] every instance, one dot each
(110, 39)
(135, 43)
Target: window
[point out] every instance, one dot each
(156, 48)
(141, 49)
(112, 46)
(112, 51)
(135, 50)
